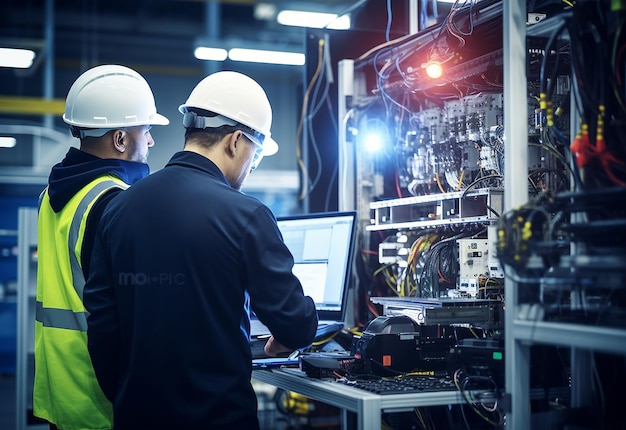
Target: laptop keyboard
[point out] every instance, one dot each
(257, 348)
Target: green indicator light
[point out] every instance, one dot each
(497, 355)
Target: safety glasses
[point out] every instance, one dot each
(258, 150)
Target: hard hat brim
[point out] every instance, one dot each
(270, 147)
(159, 120)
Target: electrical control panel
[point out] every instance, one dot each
(429, 156)
(473, 265)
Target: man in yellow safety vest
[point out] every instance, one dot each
(111, 109)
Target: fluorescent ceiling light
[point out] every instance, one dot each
(264, 11)
(16, 58)
(313, 19)
(211, 54)
(251, 52)
(7, 142)
(268, 57)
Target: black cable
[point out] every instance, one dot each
(547, 50)
(478, 181)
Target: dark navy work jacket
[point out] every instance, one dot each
(174, 261)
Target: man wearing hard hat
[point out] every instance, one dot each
(110, 108)
(179, 259)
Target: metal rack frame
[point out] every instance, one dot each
(522, 332)
(367, 406)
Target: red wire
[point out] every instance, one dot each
(443, 277)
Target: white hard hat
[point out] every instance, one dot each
(111, 96)
(235, 99)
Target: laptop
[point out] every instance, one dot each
(322, 245)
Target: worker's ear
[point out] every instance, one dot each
(118, 140)
(233, 142)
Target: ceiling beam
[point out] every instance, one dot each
(31, 105)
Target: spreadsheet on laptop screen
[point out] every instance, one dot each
(322, 246)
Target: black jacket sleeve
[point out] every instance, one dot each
(276, 294)
(102, 325)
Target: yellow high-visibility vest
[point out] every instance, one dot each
(66, 391)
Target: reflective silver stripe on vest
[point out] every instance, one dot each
(66, 318)
(77, 271)
(61, 318)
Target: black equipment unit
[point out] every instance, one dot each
(397, 344)
(328, 365)
(479, 357)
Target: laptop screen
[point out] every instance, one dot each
(322, 245)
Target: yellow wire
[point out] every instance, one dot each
(458, 187)
(439, 182)
(389, 276)
(305, 103)
(325, 340)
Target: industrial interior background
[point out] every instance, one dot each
(452, 130)
(157, 38)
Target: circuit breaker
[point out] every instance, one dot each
(473, 263)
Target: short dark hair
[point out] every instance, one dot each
(209, 136)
